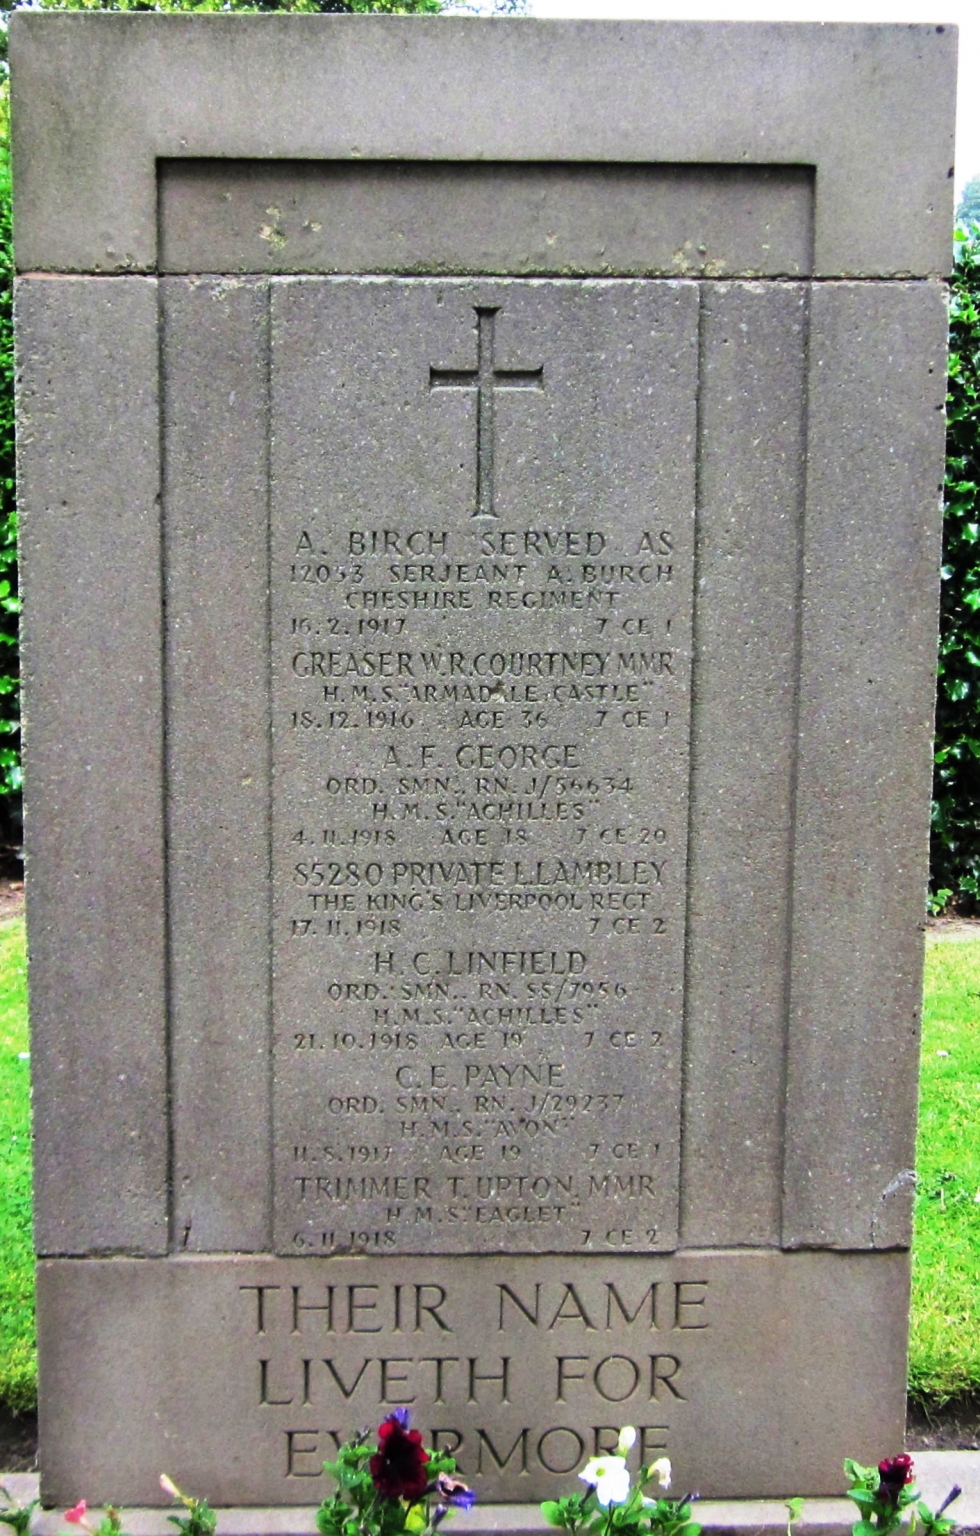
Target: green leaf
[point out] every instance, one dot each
(863, 1497)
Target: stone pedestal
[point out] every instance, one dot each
(481, 519)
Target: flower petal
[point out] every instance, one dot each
(398, 1466)
(660, 1469)
(609, 1476)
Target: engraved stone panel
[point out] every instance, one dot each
(482, 504)
(526, 1364)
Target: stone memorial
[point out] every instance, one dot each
(481, 518)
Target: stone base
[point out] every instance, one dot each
(755, 1372)
(936, 1472)
(741, 1517)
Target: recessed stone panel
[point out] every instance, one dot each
(482, 566)
(349, 216)
(216, 543)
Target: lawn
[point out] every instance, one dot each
(17, 1361)
(945, 1343)
(945, 1340)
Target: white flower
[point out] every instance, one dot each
(609, 1476)
(661, 1471)
(169, 1486)
(626, 1441)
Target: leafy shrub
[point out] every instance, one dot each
(330, 7)
(969, 204)
(10, 778)
(955, 853)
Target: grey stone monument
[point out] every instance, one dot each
(481, 518)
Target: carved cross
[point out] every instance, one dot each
(485, 379)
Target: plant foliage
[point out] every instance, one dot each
(322, 7)
(10, 778)
(328, 7)
(15, 1514)
(885, 1494)
(955, 853)
(393, 1488)
(969, 204)
(614, 1505)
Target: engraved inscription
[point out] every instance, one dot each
(480, 763)
(326, 1356)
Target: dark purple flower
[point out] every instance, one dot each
(398, 1465)
(951, 1496)
(894, 1473)
(452, 1491)
(403, 1415)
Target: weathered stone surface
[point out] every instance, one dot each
(90, 550)
(480, 645)
(337, 216)
(215, 432)
(751, 446)
(478, 737)
(541, 1358)
(873, 530)
(421, 89)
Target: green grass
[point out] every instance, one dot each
(18, 1362)
(945, 1341)
(944, 1355)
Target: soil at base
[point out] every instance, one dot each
(953, 1427)
(11, 890)
(18, 1441)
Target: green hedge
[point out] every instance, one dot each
(10, 777)
(955, 853)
